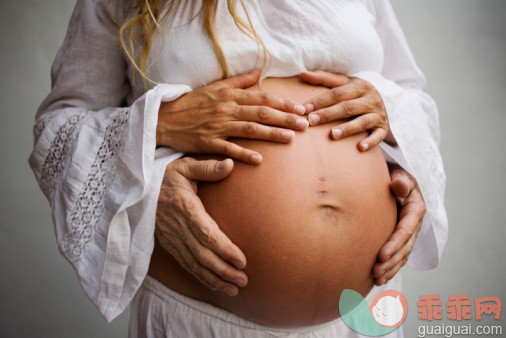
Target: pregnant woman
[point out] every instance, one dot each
(308, 214)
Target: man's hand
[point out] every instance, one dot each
(394, 254)
(189, 234)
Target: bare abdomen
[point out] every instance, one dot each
(310, 220)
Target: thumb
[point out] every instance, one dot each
(243, 80)
(206, 170)
(402, 184)
(323, 78)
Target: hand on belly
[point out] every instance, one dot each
(310, 220)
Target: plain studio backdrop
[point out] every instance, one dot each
(459, 44)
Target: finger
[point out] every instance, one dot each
(373, 139)
(402, 183)
(206, 257)
(323, 78)
(257, 131)
(339, 111)
(396, 263)
(257, 98)
(382, 267)
(210, 236)
(194, 221)
(358, 124)
(270, 116)
(242, 80)
(219, 146)
(389, 274)
(348, 91)
(204, 170)
(185, 258)
(408, 226)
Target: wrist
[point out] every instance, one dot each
(162, 127)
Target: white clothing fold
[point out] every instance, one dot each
(159, 312)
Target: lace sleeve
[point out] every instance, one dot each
(95, 159)
(414, 121)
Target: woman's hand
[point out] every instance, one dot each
(348, 97)
(202, 120)
(394, 254)
(189, 234)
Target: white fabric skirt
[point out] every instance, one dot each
(158, 311)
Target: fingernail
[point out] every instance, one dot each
(299, 109)
(231, 291)
(365, 146)
(220, 165)
(256, 158)
(309, 107)
(238, 264)
(314, 119)
(336, 133)
(288, 134)
(240, 282)
(302, 124)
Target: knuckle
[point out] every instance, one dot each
(365, 123)
(177, 201)
(195, 266)
(185, 161)
(382, 119)
(181, 202)
(227, 93)
(337, 94)
(263, 113)
(249, 129)
(203, 256)
(215, 126)
(318, 102)
(222, 109)
(347, 108)
(229, 149)
(205, 236)
(362, 84)
(266, 98)
(325, 115)
(376, 100)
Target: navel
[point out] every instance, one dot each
(330, 212)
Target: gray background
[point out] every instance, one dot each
(459, 44)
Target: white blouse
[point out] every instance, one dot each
(94, 151)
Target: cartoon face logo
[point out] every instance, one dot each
(384, 315)
(389, 308)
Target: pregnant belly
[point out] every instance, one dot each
(310, 219)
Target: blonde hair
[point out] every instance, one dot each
(147, 20)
